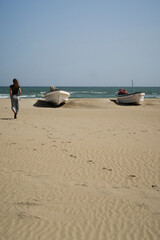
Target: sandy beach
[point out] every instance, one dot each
(89, 170)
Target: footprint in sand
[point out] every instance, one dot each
(25, 215)
(132, 175)
(73, 156)
(90, 161)
(22, 214)
(155, 187)
(27, 204)
(65, 150)
(50, 136)
(143, 131)
(109, 169)
(81, 185)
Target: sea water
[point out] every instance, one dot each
(82, 92)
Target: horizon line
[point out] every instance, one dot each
(77, 86)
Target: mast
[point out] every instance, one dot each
(132, 86)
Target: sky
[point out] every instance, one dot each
(80, 42)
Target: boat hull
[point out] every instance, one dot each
(134, 98)
(57, 97)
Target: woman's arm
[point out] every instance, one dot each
(10, 92)
(19, 91)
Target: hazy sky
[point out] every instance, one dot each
(80, 42)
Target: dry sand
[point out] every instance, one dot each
(89, 170)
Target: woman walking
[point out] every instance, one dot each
(15, 92)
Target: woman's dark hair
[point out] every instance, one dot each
(15, 84)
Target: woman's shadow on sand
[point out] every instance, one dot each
(44, 104)
(5, 118)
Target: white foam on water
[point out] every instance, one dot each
(4, 96)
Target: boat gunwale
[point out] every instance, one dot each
(130, 94)
(57, 90)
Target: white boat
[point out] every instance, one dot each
(133, 98)
(56, 96)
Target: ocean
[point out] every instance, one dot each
(83, 92)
